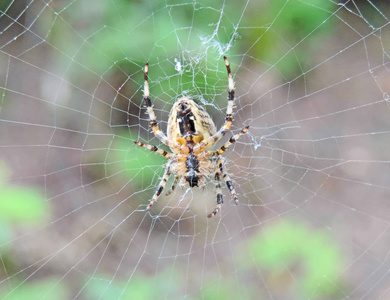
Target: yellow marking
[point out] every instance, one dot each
(198, 138)
(181, 141)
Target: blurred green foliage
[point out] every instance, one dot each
(128, 33)
(138, 287)
(122, 36)
(22, 206)
(4, 6)
(161, 287)
(286, 245)
(40, 290)
(293, 260)
(292, 33)
(18, 205)
(228, 289)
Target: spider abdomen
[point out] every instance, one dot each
(188, 118)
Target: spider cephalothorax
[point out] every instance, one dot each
(191, 134)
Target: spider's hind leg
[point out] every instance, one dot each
(161, 186)
(230, 186)
(219, 201)
(218, 189)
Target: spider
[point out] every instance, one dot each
(191, 134)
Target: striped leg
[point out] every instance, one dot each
(218, 190)
(161, 186)
(153, 122)
(154, 149)
(230, 186)
(229, 111)
(231, 141)
(173, 186)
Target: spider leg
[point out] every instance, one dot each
(227, 180)
(153, 121)
(173, 186)
(218, 190)
(232, 89)
(229, 185)
(153, 148)
(229, 111)
(161, 186)
(231, 141)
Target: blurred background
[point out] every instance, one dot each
(312, 173)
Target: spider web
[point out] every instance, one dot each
(312, 173)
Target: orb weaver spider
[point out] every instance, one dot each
(191, 134)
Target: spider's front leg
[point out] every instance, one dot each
(153, 120)
(229, 112)
(161, 186)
